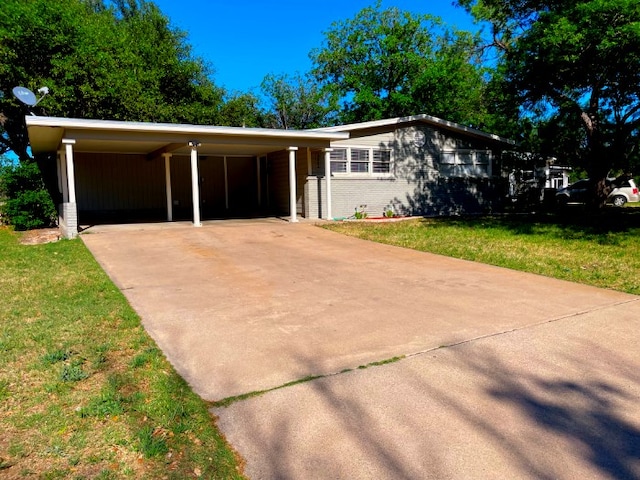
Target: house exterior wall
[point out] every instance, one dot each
(418, 183)
(117, 182)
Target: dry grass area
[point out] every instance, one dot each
(40, 236)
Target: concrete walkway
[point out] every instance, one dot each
(540, 379)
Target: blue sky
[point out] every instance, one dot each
(244, 40)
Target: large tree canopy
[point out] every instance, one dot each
(297, 102)
(574, 62)
(109, 60)
(388, 63)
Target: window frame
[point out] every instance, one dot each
(373, 161)
(466, 163)
(335, 159)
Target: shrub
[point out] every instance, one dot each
(27, 204)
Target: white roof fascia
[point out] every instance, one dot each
(415, 118)
(123, 126)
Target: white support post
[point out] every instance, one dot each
(71, 178)
(69, 211)
(167, 181)
(292, 185)
(195, 188)
(327, 179)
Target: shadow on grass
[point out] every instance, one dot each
(573, 222)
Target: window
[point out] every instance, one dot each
(382, 161)
(465, 163)
(338, 160)
(361, 160)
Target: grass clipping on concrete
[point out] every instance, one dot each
(601, 250)
(84, 391)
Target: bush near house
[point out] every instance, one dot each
(24, 200)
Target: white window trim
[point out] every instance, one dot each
(458, 153)
(370, 173)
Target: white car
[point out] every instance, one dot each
(624, 191)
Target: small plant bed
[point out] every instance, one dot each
(601, 250)
(378, 219)
(360, 213)
(84, 391)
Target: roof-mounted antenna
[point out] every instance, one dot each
(27, 97)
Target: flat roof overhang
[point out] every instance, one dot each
(154, 139)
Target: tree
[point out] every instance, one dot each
(241, 110)
(108, 60)
(297, 102)
(387, 63)
(578, 61)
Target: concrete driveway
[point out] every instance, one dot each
(539, 378)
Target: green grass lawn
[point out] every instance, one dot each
(84, 392)
(601, 250)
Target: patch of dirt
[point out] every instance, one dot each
(39, 236)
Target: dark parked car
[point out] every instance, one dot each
(624, 191)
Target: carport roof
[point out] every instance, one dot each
(154, 139)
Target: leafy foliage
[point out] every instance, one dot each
(27, 204)
(241, 110)
(297, 102)
(575, 65)
(388, 63)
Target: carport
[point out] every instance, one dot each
(111, 167)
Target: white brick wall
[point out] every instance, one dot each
(68, 220)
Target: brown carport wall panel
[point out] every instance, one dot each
(243, 184)
(212, 189)
(108, 182)
(279, 181)
(181, 183)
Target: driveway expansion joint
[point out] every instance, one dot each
(226, 402)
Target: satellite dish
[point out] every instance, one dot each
(25, 95)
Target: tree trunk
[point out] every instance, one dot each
(597, 164)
